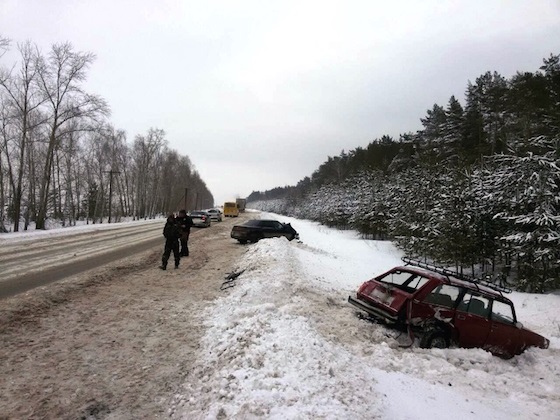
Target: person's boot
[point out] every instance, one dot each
(163, 266)
(176, 264)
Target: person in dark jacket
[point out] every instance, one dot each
(185, 222)
(172, 235)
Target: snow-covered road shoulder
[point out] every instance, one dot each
(283, 343)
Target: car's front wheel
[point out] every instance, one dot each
(436, 339)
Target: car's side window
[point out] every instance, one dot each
(418, 282)
(502, 312)
(444, 295)
(278, 225)
(476, 305)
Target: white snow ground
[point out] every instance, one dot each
(284, 344)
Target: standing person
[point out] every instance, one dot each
(172, 235)
(185, 222)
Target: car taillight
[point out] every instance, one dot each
(362, 287)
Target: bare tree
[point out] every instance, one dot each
(68, 174)
(60, 77)
(118, 152)
(4, 160)
(47, 165)
(23, 98)
(147, 156)
(125, 183)
(4, 45)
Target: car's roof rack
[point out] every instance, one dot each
(447, 272)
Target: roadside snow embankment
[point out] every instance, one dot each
(264, 359)
(283, 343)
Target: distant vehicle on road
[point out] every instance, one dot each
(215, 214)
(256, 229)
(241, 204)
(200, 218)
(230, 209)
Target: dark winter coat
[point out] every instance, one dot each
(171, 232)
(184, 223)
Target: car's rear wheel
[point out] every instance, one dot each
(436, 339)
(242, 241)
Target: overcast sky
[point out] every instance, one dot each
(259, 93)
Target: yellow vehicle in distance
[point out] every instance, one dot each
(230, 209)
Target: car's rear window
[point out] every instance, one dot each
(253, 222)
(408, 280)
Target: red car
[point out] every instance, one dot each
(446, 308)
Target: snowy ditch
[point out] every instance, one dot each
(284, 344)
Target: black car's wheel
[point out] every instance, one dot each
(436, 339)
(242, 241)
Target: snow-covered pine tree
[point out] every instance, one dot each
(527, 185)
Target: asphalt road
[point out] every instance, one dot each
(41, 259)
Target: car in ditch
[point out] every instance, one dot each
(256, 229)
(445, 308)
(200, 218)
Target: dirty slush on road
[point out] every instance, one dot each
(113, 343)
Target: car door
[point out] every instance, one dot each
(504, 337)
(472, 320)
(280, 229)
(267, 229)
(439, 303)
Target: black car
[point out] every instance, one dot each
(256, 229)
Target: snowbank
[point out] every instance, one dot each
(283, 343)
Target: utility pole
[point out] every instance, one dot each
(111, 172)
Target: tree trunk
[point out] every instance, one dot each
(45, 184)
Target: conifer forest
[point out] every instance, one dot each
(476, 189)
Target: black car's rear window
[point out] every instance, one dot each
(253, 222)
